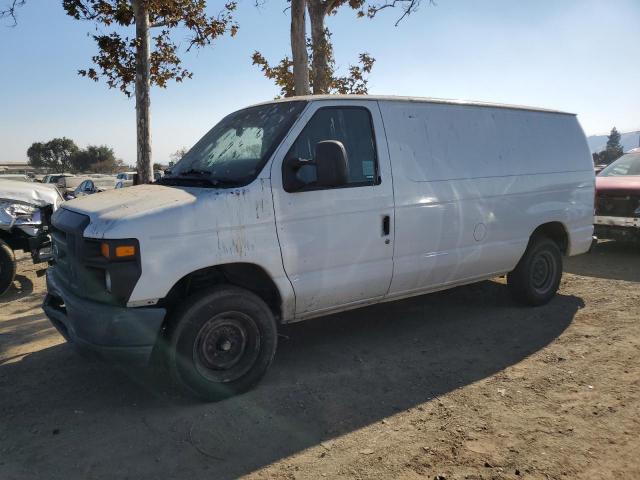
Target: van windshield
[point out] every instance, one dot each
(233, 152)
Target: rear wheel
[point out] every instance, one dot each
(7, 267)
(536, 278)
(223, 342)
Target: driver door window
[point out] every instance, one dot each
(352, 126)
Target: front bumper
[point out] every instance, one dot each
(118, 333)
(623, 228)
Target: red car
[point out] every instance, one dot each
(617, 203)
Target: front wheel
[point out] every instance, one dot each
(7, 267)
(223, 342)
(536, 278)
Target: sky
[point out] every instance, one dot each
(580, 56)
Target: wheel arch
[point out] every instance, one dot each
(249, 276)
(557, 232)
(10, 239)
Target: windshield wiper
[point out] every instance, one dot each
(194, 171)
(227, 182)
(183, 179)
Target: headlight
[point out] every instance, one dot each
(120, 261)
(17, 209)
(33, 219)
(22, 209)
(18, 214)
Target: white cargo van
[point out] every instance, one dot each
(298, 208)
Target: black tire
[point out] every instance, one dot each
(7, 267)
(536, 278)
(222, 342)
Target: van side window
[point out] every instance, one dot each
(350, 125)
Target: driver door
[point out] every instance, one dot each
(336, 243)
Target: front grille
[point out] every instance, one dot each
(60, 250)
(66, 234)
(610, 205)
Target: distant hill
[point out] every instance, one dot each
(629, 140)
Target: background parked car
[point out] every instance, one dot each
(125, 179)
(25, 209)
(54, 177)
(15, 176)
(91, 186)
(67, 184)
(618, 199)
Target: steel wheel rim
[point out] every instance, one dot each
(543, 272)
(226, 347)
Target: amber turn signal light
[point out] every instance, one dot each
(125, 251)
(119, 251)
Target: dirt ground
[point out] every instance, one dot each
(459, 384)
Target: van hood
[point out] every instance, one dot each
(158, 211)
(106, 209)
(128, 202)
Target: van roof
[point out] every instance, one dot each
(393, 98)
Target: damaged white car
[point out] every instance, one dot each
(25, 210)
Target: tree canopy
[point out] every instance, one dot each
(63, 155)
(613, 149)
(54, 155)
(115, 61)
(613, 143)
(95, 158)
(354, 82)
(312, 67)
(133, 62)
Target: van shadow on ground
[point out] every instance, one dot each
(612, 260)
(73, 418)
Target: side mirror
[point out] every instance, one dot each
(332, 164)
(290, 168)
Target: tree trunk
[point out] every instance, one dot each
(321, 49)
(299, 48)
(143, 87)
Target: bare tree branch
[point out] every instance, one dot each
(408, 7)
(10, 10)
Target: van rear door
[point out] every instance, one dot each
(337, 243)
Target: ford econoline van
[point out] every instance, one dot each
(302, 207)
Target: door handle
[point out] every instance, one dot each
(386, 225)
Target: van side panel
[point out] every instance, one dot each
(472, 183)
